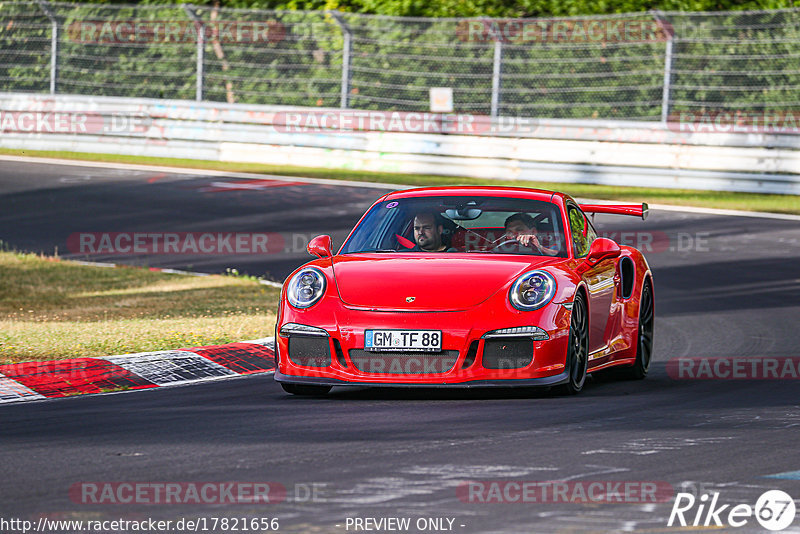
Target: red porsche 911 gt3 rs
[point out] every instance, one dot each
(467, 287)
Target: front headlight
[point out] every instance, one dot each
(306, 287)
(532, 290)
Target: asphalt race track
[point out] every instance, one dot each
(725, 287)
(45, 205)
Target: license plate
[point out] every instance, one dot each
(403, 340)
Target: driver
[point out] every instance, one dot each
(522, 228)
(428, 230)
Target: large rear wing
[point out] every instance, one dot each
(617, 209)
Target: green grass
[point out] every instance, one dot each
(682, 197)
(53, 309)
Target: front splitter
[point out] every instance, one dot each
(545, 381)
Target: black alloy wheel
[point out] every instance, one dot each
(644, 348)
(578, 349)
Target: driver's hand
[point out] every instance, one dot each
(529, 240)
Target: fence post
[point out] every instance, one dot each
(669, 30)
(346, 50)
(497, 67)
(53, 45)
(201, 49)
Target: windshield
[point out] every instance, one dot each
(470, 224)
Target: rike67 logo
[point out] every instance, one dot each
(774, 510)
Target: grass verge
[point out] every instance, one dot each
(52, 309)
(682, 197)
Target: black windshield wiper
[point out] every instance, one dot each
(382, 250)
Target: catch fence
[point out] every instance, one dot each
(633, 67)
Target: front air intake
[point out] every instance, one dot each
(310, 351)
(403, 363)
(339, 354)
(509, 353)
(469, 359)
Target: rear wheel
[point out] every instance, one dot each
(578, 349)
(302, 389)
(644, 349)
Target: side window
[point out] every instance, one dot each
(583, 233)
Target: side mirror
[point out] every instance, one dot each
(602, 249)
(320, 246)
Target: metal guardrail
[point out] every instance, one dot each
(603, 152)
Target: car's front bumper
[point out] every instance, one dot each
(463, 336)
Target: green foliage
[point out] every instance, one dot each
(733, 60)
(243, 276)
(497, 8)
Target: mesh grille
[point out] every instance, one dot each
(507, 353)
(309, 351)
(396, 363)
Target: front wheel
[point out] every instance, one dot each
(578, 349)
(302, 389)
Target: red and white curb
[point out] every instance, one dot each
(65, 378)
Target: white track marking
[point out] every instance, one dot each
(200, 172)
(13, 391)
(349, 183)
(726, 213)
(171, 367)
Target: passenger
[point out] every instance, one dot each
(428, 229)
(522, 228)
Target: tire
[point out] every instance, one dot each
(644, 337)
(578, 348)
(302, 389)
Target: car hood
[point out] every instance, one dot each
(436, 282)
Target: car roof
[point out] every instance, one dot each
(476, 190)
